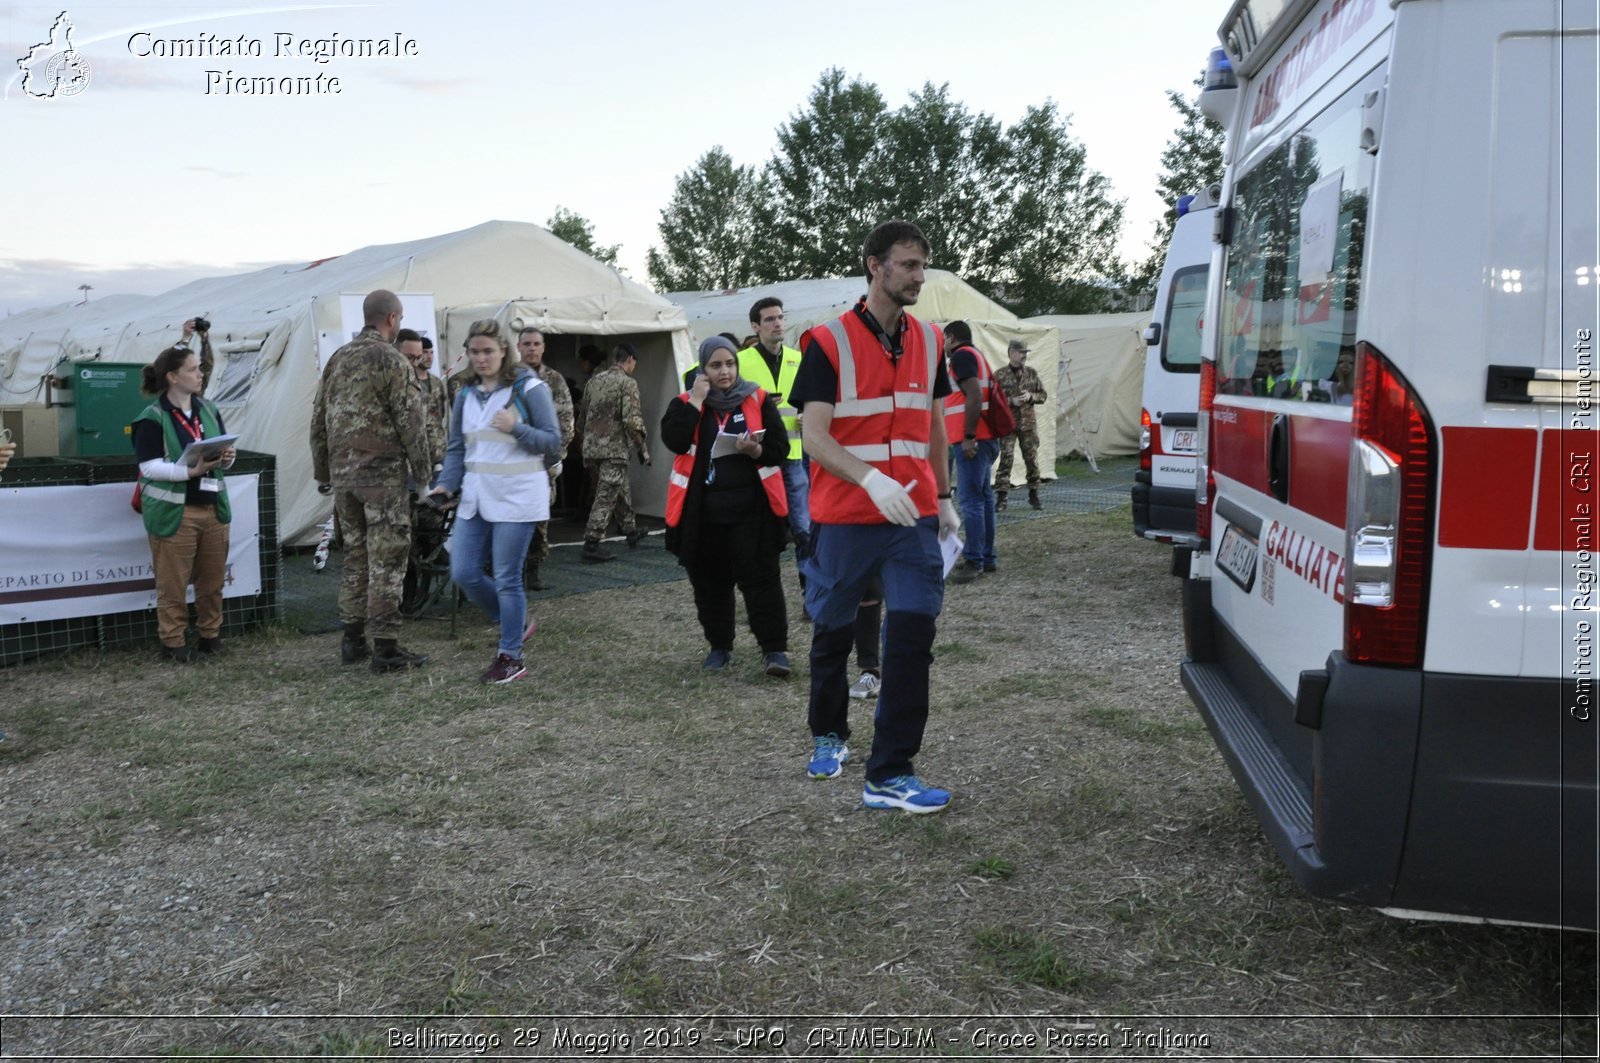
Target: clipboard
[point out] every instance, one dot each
(206, 449)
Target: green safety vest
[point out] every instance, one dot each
(753, 367)
(162, 501)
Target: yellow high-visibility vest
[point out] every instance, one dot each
(753, 367)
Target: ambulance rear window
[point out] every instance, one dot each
(1292, 288)
(1180, 351)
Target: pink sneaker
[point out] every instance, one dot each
(504, 670)
(527, 632)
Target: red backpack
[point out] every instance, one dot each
(1001, 421)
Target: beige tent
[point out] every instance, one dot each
(267, 327)
(1099, 378)
(945, 297)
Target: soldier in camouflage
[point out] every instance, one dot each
(432, 393)
(530, 346)
(613, 431)
(367, 442)
(1024, 390)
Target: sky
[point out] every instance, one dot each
(157, 171)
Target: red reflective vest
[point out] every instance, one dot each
(955, 403)
(882, 413)
(683, 466)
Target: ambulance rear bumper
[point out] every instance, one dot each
(1164, 514)
(1463, 795)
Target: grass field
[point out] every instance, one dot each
(289, 858)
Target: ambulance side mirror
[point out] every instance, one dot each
(1152, 334)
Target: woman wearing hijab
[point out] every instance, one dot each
(726, 504)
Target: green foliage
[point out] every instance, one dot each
(1059, 228)
(709, 232)
(578, 231)
(831, 180)
(1018, 213)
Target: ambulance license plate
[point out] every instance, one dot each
(1185, 440)
(1236, 556)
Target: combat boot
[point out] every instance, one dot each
(530, 577)
(353, 647)
(999, 500)
(592, 552)
(1033, 498)
(387, 656)
(634, 538)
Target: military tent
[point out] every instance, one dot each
(269, 325)
(1099, 377)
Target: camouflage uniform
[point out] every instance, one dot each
(613, 432)
(1016, 381)
(435, 398)
(367, 440)
(539, 547)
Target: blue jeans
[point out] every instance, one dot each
(474, 541)
(797, 485)
(847, 560)
(975, 493)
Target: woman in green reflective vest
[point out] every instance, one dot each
(185, 505)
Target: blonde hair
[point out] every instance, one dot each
(491, 328)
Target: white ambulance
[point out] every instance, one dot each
(1391, 617)
(1163, 485)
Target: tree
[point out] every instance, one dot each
(947, 159)
(708, 230)
(1191, 161)
(830, 179)
(1053, 249)
(578, 231)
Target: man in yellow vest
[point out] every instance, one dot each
(772, 367)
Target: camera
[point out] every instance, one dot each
(201, 324)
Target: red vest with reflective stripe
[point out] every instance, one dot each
(955, 403)
(683, 466)
(882, 414)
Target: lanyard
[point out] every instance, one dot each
(711, 463)
(190, 424)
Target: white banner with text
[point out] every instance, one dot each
(82, 551)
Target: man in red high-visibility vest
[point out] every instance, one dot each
(870, 388)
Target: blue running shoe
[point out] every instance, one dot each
(828, 754)
(905, 792)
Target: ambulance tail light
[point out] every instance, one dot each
(1204, 485)
(1144, 440)
(1392, 463)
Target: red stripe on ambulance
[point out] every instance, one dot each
(1485, 487)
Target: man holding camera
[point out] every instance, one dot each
(200, 325)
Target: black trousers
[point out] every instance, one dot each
(729, 556)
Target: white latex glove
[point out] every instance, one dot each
(949, 519)
(892, 500)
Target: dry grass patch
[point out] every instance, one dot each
(622, 833)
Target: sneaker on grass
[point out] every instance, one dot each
(505, 669)
(866, 687)
(904, 792)
(828, 755)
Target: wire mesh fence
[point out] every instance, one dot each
(30, 640)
